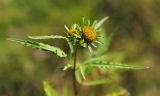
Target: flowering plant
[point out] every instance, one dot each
(86, 34)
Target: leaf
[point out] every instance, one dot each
(97, 25)
(88, 22)
(88, 70)
(48, 89)
(90, 49)
(47, 37)
(94, 23)
(41, 46)
(108, 64)
(91, 60)
(84, 20)
(74, 26)
(103, 48)
(65, 26)
(67, 67)
(54, 37)
(79, 77)
(82, 72)
(96, 82)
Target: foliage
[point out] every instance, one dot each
(41, 46)
(48, 89)
(136, 42)
(86, 35)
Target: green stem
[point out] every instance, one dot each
(74, 72)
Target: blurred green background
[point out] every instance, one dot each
(137, 41)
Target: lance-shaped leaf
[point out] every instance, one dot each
(82, 72)
(97, 25)
(41, 46)
(47, 37)
(109, 64)
(53, 37)
(96, 82)
(48, 89)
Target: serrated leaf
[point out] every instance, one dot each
(97, 25)
(88, 70)
(108, 64)
(41, 46)
(48, 89)
(54, 37)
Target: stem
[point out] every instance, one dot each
(74, 72)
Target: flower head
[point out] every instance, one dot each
(89, 34)
(73, 32)
(86, 34)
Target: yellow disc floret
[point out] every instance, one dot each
(73, 32)
(89, 33)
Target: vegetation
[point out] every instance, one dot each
(86, 35)
(129, 37)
